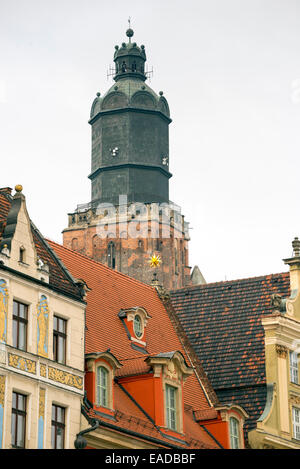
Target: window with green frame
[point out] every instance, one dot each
(171, 407)
(102, 386)
(234, 433)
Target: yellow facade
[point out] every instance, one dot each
(32, 371)
(278, 426)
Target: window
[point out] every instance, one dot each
(294, 367)
(59, 339)
(171, 406)
(22, 254)
(234, 433)
(102, 386)
(19, 325)
(111, 255)
(138, 326)
(176, 261)
(18, 420)
(57, 427)
(296, 423)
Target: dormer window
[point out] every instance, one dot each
(138, 326)
(135, 322)
(100, 370)
(173, 371)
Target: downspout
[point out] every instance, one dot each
(80, 442)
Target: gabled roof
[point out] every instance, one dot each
(223, 323)
(109, 292)
(59, 278)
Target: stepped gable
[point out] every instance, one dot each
(223, 323)
(109, 292)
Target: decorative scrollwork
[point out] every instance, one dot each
(65, 378)
(2, 390)
(21, 363)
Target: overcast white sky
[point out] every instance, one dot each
(230, 70)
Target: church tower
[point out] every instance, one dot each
(130, 217)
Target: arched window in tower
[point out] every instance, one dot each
(123, 66)
(176, 260)
(75, 244)
(111, 255)
(133, 67)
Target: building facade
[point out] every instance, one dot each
(130, 216)
(42, 314)
(247, 334)
(145, 387)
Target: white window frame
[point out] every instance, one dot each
(171, 409)
(99, 387)
(294, 375)
(234, 432)
(296, 422)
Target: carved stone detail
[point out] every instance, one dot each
(281, 351)
(295, 400)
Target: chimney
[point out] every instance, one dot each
(294, 263)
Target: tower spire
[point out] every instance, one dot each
(129, 32)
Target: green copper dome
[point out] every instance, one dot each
(130, 89)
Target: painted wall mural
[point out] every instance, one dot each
(42, 326)
(2, 395)
(3, 310)
(41, 419)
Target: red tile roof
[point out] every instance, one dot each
(111, 291)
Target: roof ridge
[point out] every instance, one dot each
(225, 282)
(133, 280)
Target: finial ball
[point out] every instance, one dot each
(98, 94)
(129, 32)
(18, 188)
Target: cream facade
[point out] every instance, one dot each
(279, 425)
(50, 383)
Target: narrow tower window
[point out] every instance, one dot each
(111, 255)
(22, 254)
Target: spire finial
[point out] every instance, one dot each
(129, 32)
